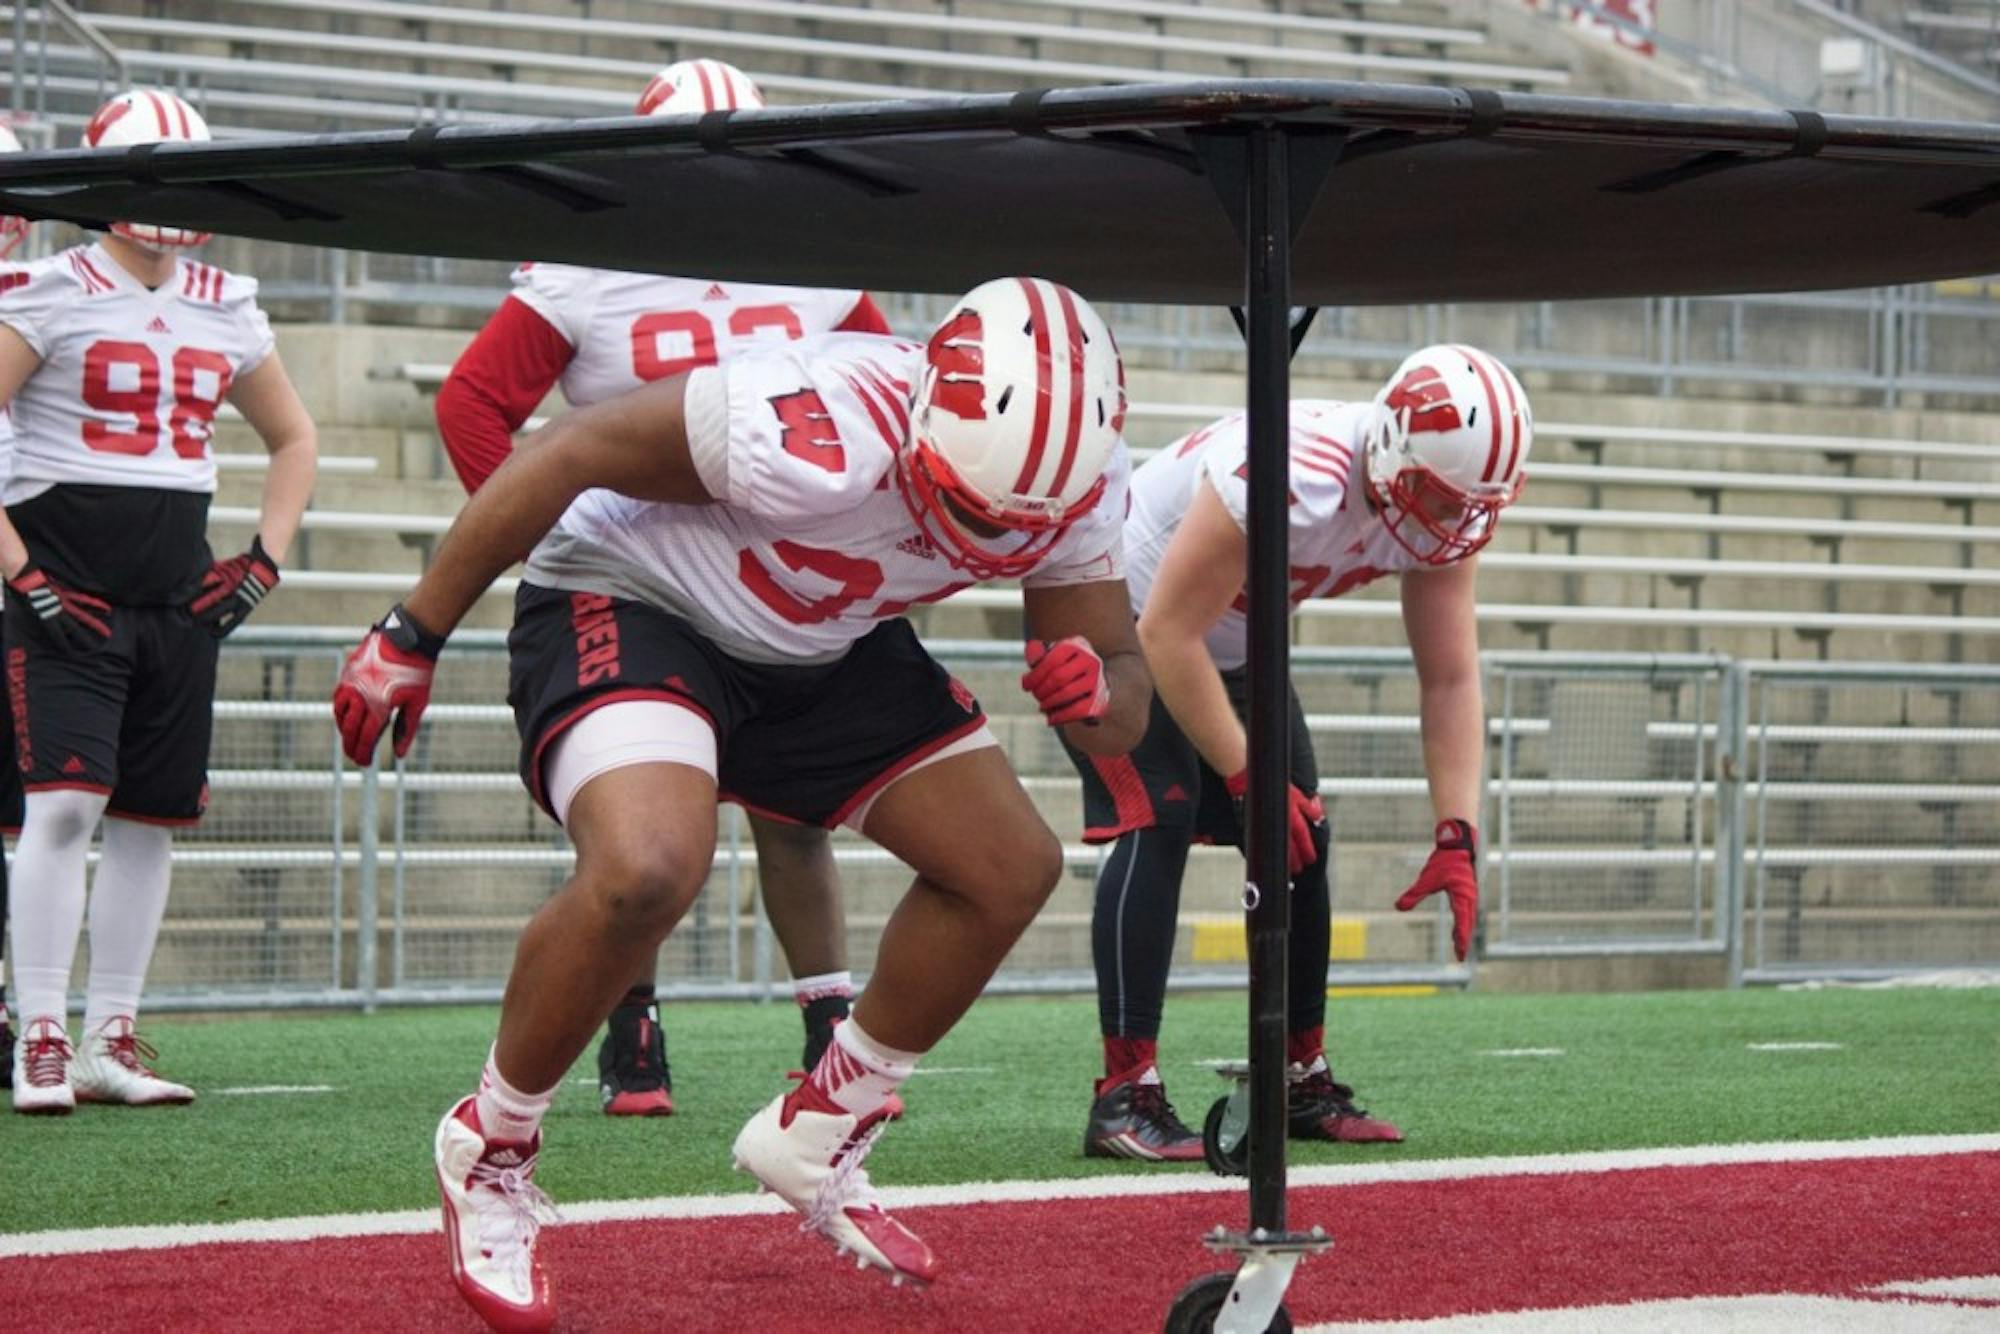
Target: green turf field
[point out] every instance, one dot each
(1010, 1096)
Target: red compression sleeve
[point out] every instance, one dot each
(499, 378)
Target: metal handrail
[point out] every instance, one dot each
(86, 32)
(108, 56)
(1888, 41)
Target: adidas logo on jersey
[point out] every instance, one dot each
(715, 293)
(917, 546)
(73, 765)
(158, 326)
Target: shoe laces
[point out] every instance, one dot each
(45, 1055)
(633, 1036)
(130, 1050)
(511, 1209)
(847, 1186)
(1321, 1087)
(1150, 1101)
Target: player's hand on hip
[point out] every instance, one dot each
(1453, 869)
(1066, 677)
(387, 676)
(78, 621)
(1304, 814)
(232, 588)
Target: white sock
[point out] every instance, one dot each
(806, 990)
(506, 1113)
(128, 898)
(859, 1073)
(46, 898)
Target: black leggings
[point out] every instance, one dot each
(1133, 925)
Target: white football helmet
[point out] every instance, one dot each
(1447, 450)
(13, 230)
(148, 116)
(691, 87)
(1021, 404)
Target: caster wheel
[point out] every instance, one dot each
(1225, 1145)
(1200, 1302)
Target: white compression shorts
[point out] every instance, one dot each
(659, 731)
(639, 731)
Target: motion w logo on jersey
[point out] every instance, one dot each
(1423, 400)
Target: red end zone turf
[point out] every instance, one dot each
(1405, 1251)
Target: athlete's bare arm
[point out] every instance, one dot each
(17, 362)
(635, 444)
(272, 406)
(1441, 618)
(1101, 612)
(1200, 575)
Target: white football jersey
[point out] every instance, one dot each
(1337, 542)
(629, 329)
(130, 377)
(810, 543)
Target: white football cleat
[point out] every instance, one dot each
(111, 1067)
(493, 1212)
(807, 1150)
(41, 1059)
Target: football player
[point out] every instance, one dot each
(13, 231)
(600, 333)
(1409, 484)
(722, 617)
(116, 355)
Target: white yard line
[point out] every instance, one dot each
(1524, 1051)
(1796, 1046)
(1983, 1289)
(260, 1090)
(84, 1240)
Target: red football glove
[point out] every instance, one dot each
(388, 674)
(232, 588)
(77, 621)
(1452, 869)
(1305, 815)
(1066, 678)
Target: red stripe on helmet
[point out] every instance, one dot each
(651, 95)
(707, 92)
(1075, 432)
(181, 114)
(1515, 416)
(1038, 317)
(1492, 408)
(107, 115)
(159, 113)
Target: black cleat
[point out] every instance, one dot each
(820, 1015)
(6, 1052)
(1131, 1118)
(632, 1074)
(1316, 1107)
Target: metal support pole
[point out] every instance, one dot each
(1267, 895)
(368, 902)
(1732, 768)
